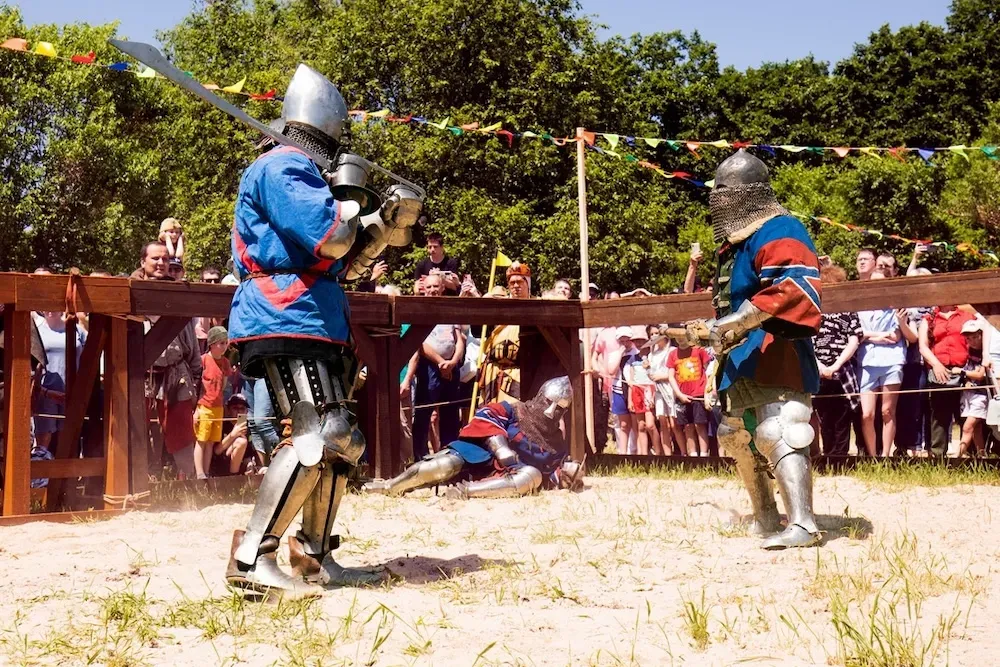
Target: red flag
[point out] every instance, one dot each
(15, 44)
(269, 95)
(895, 153)
(681, 174)
(508, 135)
(741, 144)
(400, 119)
(589, 137)
(84, 60)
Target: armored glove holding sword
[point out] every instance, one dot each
(767, 304)
(305, 220)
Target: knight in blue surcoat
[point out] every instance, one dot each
(767, 304)
(300, 231)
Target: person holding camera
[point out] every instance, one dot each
(438, 262)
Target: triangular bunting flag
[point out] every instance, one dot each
(468, 126)
(926, 154)
(45, 49)
(147, 73)
(508, 135)
(455, 130)
(441, 124)
(491, 128)
(721, 143)
(529, 133)
(990, 152)
(84, 60)
(792, 149)
(741, 144)
(653, 143)
(710, 184)
(589, 137)
(210, 86)
(236, 87)
(611, 139)
(261, 97)
(118, 67)
(841, 151)
(767, 148)
(676, 145)
(693, 146)
(15, 44)
(960, 149)
(870, 150)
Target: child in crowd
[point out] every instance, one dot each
(208, 416)
(688, 379)
(230, 451)
(172, 235)
(664, 402)
(974, 399)
(641, 388)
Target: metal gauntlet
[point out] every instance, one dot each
(389, 226)
(497, 444)
(727, 332)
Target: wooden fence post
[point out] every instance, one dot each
(116, 410)
(17, 375)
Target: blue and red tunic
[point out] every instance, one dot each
(284, 213)
(501, 419)
(776, 268)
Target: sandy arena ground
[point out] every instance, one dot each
(631, 571)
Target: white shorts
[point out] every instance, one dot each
(665, 404)
(873, 378)
(973, 404)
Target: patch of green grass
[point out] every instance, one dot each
(899, 476)
(695, 616)
(673, 472)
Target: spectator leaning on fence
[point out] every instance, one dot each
(836, 402)
(945, 351)
(437, 378)
(883, 354)
(913, 427)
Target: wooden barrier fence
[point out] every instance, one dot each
(118, 309)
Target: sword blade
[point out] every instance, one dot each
(152, 58)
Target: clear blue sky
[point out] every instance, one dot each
(747, 32)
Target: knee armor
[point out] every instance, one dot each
(783, 429)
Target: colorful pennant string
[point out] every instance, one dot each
(959, 247)
(897, 152)
(48, 50)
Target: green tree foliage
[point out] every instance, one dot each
(92, 160)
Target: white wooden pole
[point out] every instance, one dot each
(581, 188)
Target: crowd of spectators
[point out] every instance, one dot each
(892, 382)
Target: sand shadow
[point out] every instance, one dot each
(425, 569)
(835, 527)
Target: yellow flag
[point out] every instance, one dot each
(381, 113)
(442, 124)
(612, 139)
(147, 73)
(721, 143)
(45, 49)
(503, 260)
(236, 87)
(491, 128)
(211, 86)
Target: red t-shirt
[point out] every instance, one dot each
(214, 374)
(689, 369)
(946, 339)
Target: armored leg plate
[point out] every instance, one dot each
(736, 441)
(265, 576)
